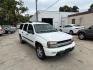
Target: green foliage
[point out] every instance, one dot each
(91, 7)
(11, 11)
(66, 8)
(75, 9)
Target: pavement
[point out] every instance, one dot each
(17, 56)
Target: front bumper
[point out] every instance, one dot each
(55, 51)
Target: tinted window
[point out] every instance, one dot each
(77, 25)
(21, 26)
(68, 26)
(92, 26)
(30, 29)
(25, 27)
(44, 28)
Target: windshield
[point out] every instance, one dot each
(44, 28)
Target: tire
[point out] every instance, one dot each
(81, 36)
(21, 41)
(40, 52)
(6, 32)
(71, 32)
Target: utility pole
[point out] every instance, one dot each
(36, 12)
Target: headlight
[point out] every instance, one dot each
(52, 44)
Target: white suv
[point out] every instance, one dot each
(46, 39)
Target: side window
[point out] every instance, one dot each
(67, 26)
(92, 26)
(25, 27)
(30, 29)
(21, 26)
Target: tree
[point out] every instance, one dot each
(75, 9)
(11, 9)
(66, 8)
(24, 19)
(91, 7)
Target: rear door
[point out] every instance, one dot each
(30, 35)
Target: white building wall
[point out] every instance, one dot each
(59, 18)
(54, 15)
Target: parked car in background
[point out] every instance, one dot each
(86, 33)
(9, 29)
(2, 31)
(18, 26)
(72, 28)
(46, 39)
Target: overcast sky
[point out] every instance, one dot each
(43, 4)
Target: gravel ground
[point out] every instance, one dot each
(16, 56)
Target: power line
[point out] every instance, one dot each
(52, 5)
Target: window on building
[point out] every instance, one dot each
(73, 21)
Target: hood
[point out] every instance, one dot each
(55, 36)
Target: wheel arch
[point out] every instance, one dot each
(38, 43)
(82, 33)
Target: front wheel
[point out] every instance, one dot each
(40, 52)
(81, 36)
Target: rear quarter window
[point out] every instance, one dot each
(21, 26)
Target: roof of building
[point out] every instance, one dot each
(81, 13)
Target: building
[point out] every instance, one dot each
(83, 18)
(57, 19)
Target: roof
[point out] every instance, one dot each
(35, 23)
(82, 13)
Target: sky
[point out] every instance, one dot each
(43, 4)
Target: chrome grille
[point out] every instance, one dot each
(64, 43)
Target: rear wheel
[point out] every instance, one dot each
(71, 32)
(21, 40)
(81, 36)
(40, 52)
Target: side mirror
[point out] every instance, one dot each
(89, 27)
